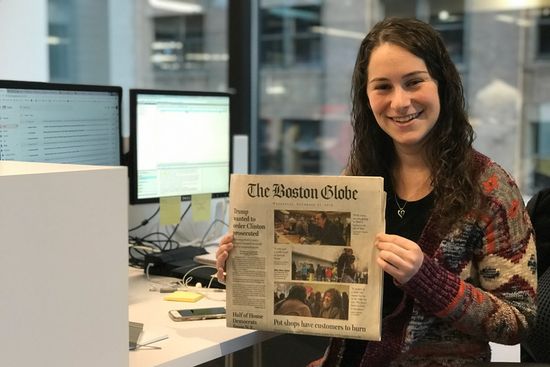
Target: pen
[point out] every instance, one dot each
(154, 340)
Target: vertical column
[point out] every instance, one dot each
(243, 70)
(24, 40)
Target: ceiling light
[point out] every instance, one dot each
(522, 22)
(275, 90)
(337, 32)
(505, 5)
(176, 6)
(206, 57)
(162, 45)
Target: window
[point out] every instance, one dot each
(543, 45)
(178, 43)
(59, 52)
(78, 41)
(446, 16)
(288, 35)
(451, 28)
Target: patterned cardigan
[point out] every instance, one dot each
(476, 285)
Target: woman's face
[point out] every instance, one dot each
(403, 96)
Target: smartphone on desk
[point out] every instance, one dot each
(197, 314)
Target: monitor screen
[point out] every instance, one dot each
(179, 144)
(60, 123)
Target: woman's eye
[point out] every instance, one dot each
(382, 87)
(413, 82)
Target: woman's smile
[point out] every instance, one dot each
(406, 118)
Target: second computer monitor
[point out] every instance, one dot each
(180, 144)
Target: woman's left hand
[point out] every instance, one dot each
(398, 256)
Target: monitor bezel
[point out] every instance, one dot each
(132, 154)
(35, 85)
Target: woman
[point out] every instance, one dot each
(458, 252)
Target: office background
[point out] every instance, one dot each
(289, 63)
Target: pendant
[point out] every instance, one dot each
(401, 212)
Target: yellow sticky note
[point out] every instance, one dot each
(170, 208)
(200, 207)
(183, 296)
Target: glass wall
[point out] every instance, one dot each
(188, 45)
(181, 45)
(78, 41)
(306, 51)
(502, 53)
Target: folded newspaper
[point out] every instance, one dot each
(303, 260)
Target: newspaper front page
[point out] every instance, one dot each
(303, 260)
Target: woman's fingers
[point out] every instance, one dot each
(398, 256)
(222, 253)
(220, 265)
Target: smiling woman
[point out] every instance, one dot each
(462, 212)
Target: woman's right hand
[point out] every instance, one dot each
(226, 245)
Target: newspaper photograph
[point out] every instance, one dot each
(303, 260)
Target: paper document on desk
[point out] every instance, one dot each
(304, 255)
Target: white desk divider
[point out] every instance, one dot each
(64, 265)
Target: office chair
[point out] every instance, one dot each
(538, 342)
(537, 346)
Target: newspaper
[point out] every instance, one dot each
(303, 260)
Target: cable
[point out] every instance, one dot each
(215, 294)
(177, 225)
(186, 280)
(209, 228)
(141, 246)
(211, 293)
(164, 287)
(224, 213)
(147, 271)
(145, 221)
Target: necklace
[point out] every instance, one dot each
(419, 189)
(401, 209)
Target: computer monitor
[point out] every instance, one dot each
(180, 144)
(60, 123)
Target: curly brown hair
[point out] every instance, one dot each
(448, 146)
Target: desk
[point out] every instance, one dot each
(189, 343)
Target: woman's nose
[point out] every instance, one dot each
(401, 99)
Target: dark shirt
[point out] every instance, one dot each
(410, 227)
(330, 234)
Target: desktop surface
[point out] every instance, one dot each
(189, 343)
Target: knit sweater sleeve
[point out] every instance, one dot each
(492, 295)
